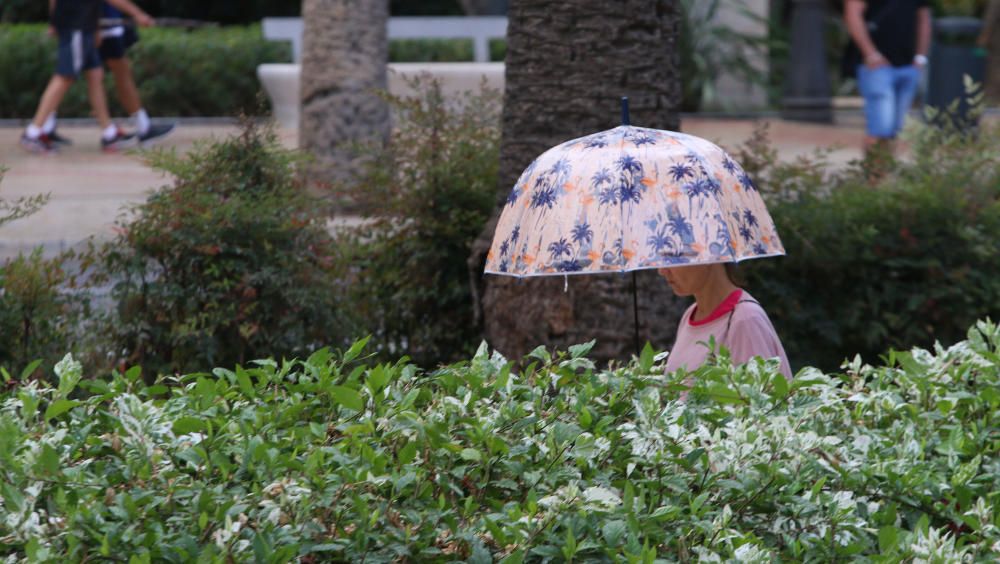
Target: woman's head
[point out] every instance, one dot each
(689, 280)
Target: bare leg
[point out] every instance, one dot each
(98, 99)
(878, 157)
(128, 93)
(880, 144)
(51, 98)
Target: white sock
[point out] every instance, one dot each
(110, 132)
(50, 124)
(141, 121)
(33, 131)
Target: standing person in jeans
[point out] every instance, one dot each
(116, 36)
(75, 23)
(893, 37)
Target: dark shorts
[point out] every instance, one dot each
(114, 47)
(77, 53)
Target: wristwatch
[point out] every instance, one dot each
(920, 59)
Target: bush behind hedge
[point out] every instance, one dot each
(426, 194)
(204, 72)
(333, 458)
(905, 261)
(231, 261)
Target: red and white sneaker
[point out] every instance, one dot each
(119, 142)
(41, 145)
(58, 139)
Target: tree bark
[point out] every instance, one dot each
(344, 62)
(568, 64)
(990, 40)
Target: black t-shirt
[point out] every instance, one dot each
(82, 15)
(892, 25)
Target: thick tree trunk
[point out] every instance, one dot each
(568, 64)
(990, 40)
(344, 61)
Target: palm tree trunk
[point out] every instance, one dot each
(344, 62)
(990, 40)
(568, 64)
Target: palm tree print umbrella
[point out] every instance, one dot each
(628, 199)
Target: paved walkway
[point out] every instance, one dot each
(89, 189)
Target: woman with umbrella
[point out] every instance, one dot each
(722, 311)
(632, 198)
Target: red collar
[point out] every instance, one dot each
(727, 305)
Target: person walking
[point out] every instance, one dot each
(75, 23)
(893, 37)
(721, 311)
(116, 37)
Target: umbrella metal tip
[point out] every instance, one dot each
(625, 118)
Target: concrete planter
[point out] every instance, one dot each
(281, 83)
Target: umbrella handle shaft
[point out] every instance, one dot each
(635, 312)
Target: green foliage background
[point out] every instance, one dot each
(904, 261)
(37, 320)
(204, 72)
(425, 196)
(231, 261)
(335, 458)
(227, 12)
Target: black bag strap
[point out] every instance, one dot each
(729, 322)
(725, 335)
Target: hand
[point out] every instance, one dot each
(144, 20)
(920, 61)
(875, 60)
(51, 31)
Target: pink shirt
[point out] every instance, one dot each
(750, 334)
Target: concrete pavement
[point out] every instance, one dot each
(90, 189)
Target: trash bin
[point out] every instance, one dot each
(954, 54)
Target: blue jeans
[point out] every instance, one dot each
(888, 93)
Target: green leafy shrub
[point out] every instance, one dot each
(24, 206)
(967, 8)
(221, 11)
(231, 262)
(38, 318)
(905, 261)
(426, 196)
(204, 72)
(336, 459)
(707, 48)
(33, 313)
(430, 50)
(441, 50)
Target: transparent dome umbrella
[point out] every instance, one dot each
(630, 199)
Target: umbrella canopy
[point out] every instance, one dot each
(628, 199)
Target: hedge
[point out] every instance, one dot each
(205, 72)
(335, 459)
(227, 11)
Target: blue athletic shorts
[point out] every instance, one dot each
(77, 53)
(888, 93)
(114, 46)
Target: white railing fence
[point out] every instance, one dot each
(480, 29)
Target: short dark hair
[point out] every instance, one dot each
(735, 274)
